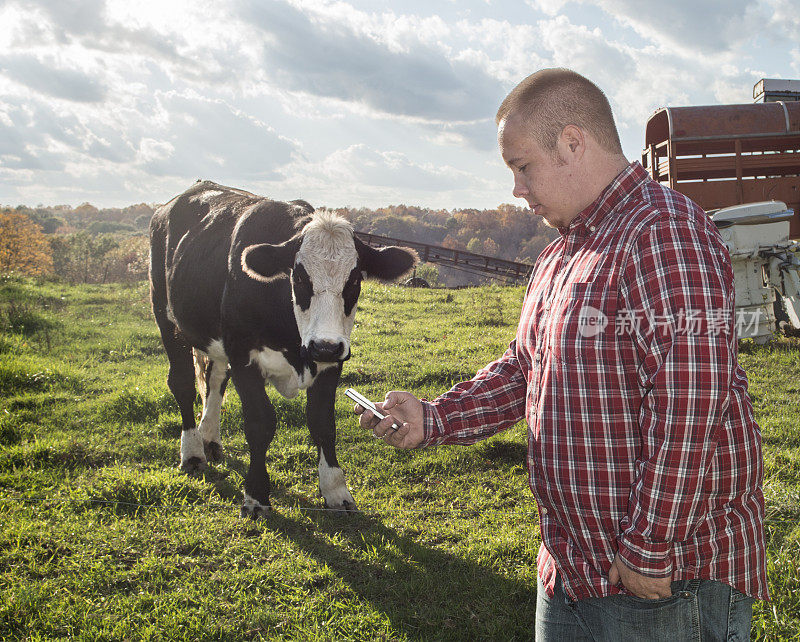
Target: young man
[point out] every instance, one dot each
(643, 452)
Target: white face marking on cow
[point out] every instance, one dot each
(328, 257)
(332, 485)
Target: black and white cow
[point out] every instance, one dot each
(266, 290)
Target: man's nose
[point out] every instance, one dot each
(519, 190)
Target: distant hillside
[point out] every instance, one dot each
(85, 238)
(65, 219)
(507, 232)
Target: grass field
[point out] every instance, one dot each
(115, 543)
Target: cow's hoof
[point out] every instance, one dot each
(253, 508)
(255, 512)
(213, 451)
(193, 465)
(345, 506)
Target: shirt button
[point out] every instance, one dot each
(591, 228)
(542, 510)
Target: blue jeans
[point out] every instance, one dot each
(698, 610)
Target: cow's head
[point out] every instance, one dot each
(325, 263)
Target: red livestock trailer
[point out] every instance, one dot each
(725, 155)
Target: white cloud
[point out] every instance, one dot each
(548, 7)
(211, 139)
(47, 77)
(710, 26)
(586, 51)
(152, 150)
(360, 174)
(364, 166)
(338, 101)
(334, 55)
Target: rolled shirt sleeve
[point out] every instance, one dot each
(679, 282)
(493, 400)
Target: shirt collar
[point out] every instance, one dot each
(617, 190)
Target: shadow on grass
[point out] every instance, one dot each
(426, 593)
(504, 453)
(781, 344)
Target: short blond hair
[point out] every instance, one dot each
(551, 99)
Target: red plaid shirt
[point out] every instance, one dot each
(641, 435)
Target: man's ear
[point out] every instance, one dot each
(386, 264)
(571, 143)
(266, 262)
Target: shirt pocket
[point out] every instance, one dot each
(581, 330)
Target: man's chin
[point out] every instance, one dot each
(547, 222)
(537, 210)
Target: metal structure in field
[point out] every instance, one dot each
(480, 264)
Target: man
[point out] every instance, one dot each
(643, 453)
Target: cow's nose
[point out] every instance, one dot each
(325, 350)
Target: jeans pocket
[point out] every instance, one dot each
(738, 596)
(627, 617)
(632, 601)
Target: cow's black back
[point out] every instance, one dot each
(192, 237)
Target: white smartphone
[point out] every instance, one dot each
(362, 401)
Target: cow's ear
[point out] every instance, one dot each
(386, 264)
(265, 262)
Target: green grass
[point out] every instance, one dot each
(115, 543)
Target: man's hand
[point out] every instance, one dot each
(403, 408)
(647, 588)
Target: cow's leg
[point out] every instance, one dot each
(181, 383)
(322, 424)
(260, 422)
(216, 379)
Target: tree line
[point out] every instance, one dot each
(86, 244)
(506, 232)
(84, 256)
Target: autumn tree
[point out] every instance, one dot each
(475, 246)
(81, 257)
(129, 260)
(85, 212)
(23, 247)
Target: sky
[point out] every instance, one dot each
(352, 103)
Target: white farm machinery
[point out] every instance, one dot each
(766, 267)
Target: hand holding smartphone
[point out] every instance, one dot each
(365, 403)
